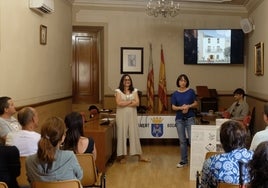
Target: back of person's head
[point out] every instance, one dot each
(74, 125)
(26, 115)
(232, 135)
(52, 133)
(258, 166)
(265, 110)
(239, 91)
(93, 110)
(4, 104)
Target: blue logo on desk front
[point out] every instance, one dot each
(157, 127)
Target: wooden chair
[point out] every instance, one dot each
(3, 184)
(208, 98)
(227, 185)
(90, 176)
(22, 178)
(211, 153)
(57, 184)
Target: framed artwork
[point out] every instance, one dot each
(43, 34)
(131, 60)
(259, 58)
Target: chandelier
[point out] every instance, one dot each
(165, 8)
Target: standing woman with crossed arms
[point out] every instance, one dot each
(127, 100)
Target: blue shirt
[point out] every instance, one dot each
(225, 168)
(180, 98)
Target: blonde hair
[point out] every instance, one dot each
(52, 132)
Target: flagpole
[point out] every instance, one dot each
(150, 83)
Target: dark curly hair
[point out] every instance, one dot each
(259, 166)
(232, 135)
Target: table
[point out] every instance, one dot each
(105, 140)
(209, 118)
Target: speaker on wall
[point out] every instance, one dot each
(246, 25)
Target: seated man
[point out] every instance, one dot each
(26, 140)
(239, 109)
(261, 136)
(7, 122)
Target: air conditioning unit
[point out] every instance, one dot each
(43, 6)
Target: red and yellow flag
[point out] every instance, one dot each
(162, 86)
(150, 83)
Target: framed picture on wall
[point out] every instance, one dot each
(43, 34)
(131, 60)
(259, 58)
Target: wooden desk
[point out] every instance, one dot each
(105, 140)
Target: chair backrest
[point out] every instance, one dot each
(3, 185)
(251, 122)
(88, 165)
(227, 185)
(22, 178)
(202, 91)
(57, 184)
(211, 153)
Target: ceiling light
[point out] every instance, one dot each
(166, 8)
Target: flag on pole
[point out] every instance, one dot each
(162, 86)
(150, 83)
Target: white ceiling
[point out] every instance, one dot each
(241, 7)
(229, 2)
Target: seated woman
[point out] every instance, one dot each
(50, 163)
(75, 139)
(9, 165)
(226, 167)
(259, 167)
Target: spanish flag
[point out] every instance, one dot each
(162, 86)
(150, 84)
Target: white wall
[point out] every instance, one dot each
(136, 29)
(30, 72)
(257, 85)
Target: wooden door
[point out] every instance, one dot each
(86, 66)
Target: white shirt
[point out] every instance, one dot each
(25, 141)
(8, 125)
(259, 137)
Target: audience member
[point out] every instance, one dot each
(26, 140)
(183, 101)
(261, 135)
(239, 109)
(9, 165)
(127, 100)
(258, 167)
(7, 122)
(50, 163)
(226, 167)
(75, 139)
(93, 111)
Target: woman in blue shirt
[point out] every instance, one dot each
(183, 101)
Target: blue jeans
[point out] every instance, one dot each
(182, 127)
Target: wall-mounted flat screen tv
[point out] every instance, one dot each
(213, 46)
